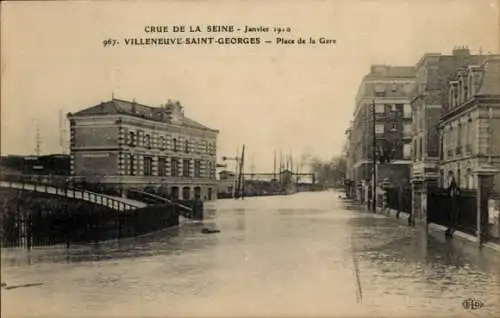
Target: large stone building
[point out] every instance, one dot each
(470, 128)
(388, 88)
(122, 145)
(430, 101)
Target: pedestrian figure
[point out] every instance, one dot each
(453, 192)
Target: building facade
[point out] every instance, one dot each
(430, 101)
(470, 128)
(122, 145)
(388, 89)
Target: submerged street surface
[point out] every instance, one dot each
(305, 254)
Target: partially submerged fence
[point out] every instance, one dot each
(459, 212)
(32, 219)
(399, 199)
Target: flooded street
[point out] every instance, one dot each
(309, 254)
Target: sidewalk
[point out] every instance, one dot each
(436, 229)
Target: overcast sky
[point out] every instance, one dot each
(269, 97)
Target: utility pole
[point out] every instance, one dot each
(38, 141)
(240, 185)
(274, 167)
(374, 159)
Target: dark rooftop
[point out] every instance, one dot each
(162, 113)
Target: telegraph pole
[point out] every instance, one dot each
(38, 141)
(374, 160)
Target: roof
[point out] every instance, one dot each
(490, 84)
(118, 106)
(390, 72)
(385, 78)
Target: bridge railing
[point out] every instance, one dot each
(63, 186)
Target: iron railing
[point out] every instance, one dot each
(63, 186)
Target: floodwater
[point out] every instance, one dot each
(309, 254)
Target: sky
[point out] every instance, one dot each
(292, 98)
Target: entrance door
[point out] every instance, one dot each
(197, 193)
(186, 193)
(174, 193)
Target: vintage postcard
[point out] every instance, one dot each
(279, 158)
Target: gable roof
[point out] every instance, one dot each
(118, 106)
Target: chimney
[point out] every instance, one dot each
(380, 70)
(461, 51)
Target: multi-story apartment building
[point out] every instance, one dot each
(123, 144)
(387, 88)
(429, 102)
(470, 127)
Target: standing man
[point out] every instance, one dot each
(453, 192)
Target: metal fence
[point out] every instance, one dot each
(459, 212)
(399, 199)
(31, 219)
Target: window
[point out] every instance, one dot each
(379, 108)
(186, 146)
(197, 168)
(407, 151)
(131, 139)
(185, 168)
(175, 144)
(162, 143)
(407, 113)
(162, 167)
(132, 165)
(394, 126)
(140, 138)
(174, 169)
(147, 141)
(148, 166)
(379, 128)
(210, 171)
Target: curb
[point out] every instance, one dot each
(436, 228)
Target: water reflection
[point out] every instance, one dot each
(183, 239)
(304, 255)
